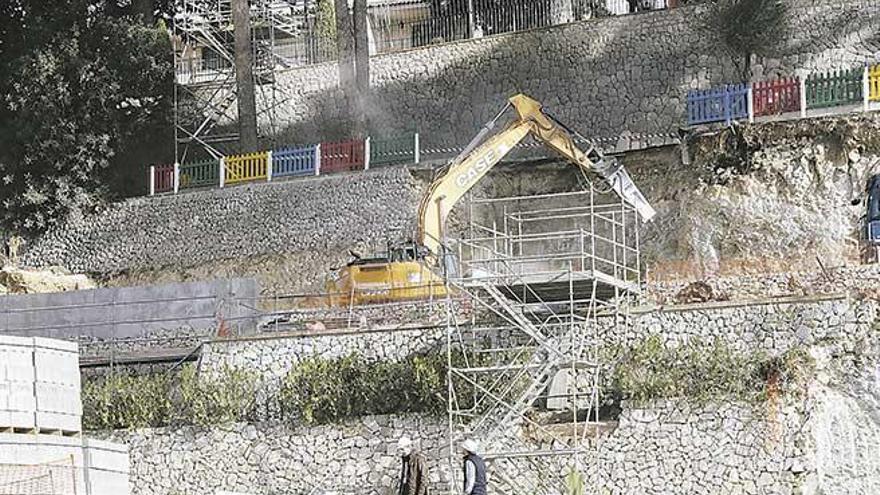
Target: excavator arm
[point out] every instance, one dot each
(468, 169)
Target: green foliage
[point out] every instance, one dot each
(126, 401)
(322, 391)
(86, 100)
(206, 401)
(575, 483)
(749, 27)
(326, 24)
(651, 370)
(121, 400)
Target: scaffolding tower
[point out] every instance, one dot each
(545, 276)
(205, 91)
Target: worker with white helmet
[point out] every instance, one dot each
(414, 469)
(474, 469)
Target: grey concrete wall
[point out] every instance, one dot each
(127, 313)
(607, 78)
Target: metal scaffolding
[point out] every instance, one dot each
(545, 275)
(205, 90)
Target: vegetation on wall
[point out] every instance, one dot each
(121, 400)
(704, 372)
(320, 391)
(85, 101)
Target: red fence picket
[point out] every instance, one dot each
(343, 156)
(163, 176)
(776, 96)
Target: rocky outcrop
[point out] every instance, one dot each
(14, 280)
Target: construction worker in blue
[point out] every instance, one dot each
(474, 469)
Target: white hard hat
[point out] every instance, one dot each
(405, 442)
(470, 445)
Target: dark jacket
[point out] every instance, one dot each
(414, 475)
(479, 474)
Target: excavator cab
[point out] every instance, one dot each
(399, 274)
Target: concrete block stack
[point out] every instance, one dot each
(39, 385)
(17, 400)
(41, 445)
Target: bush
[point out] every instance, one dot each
(651, 370)
(126, 401)
(322, 391)
(122, 400)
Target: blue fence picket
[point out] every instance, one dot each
(294, 161)
(723, 104)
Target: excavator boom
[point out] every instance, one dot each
(464, 173)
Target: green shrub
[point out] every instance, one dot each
(699, 372)
(122, 400)
(126, 401)
(321, 391)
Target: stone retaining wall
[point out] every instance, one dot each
(668, 448)
(326, 215)
(621, 78)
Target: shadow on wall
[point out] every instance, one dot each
(600, 77)
(604, 77)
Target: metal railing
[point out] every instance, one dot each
(403, 25)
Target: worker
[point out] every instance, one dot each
(414, 470)
(474, 469)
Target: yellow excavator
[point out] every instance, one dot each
(410, 271)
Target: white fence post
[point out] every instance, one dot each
(866, 89)
(176, 177)
(803, 96)
(367, 153)
(751, 101)
(222, 171)
(416, 147)
(152, 180)
(269, 166)
(317, 159)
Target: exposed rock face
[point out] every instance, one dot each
(54, 279)
(762, 198)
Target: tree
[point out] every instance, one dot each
(749, 27)
(86, 102)
(244, 77)
(362, 67)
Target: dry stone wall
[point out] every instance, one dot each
(612, 78)
(327, 215)
(668, 448)
(781, 446)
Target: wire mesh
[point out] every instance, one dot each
(51, 478)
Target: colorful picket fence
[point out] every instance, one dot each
(776, 97)
(291, 162)
(874, 83)
(162, 179)
(830, 89)
(400, 149)
(722, 104)
(200, 174)
(248, 167)
(343, 156)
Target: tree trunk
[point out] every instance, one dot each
(560, 11)
(362, 67)
(244, 77)
(345, 49)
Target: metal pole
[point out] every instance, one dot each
(471, 24)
